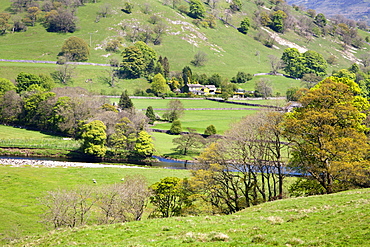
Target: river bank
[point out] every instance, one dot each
(24, 162)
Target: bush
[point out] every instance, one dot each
(176, 127)
(306, 187)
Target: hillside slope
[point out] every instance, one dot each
(358, 10)
(340, 219)
(228, 51)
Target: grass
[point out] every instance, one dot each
(22, 138)
(228, 51)
(340, 219)
(199, 120)
(187, 103)
(21, 186)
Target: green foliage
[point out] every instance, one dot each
(144, 146)
(176, 127)
(297, 64)
(320, 20)
(241, 77)
(25, 80)
(188, 142)
(149, 54)
(277, 21)
(291, 94)
(159, 85)
(244, 25)
(124, 101)
(345, 73)
(124, 136)
(127, 7)
(169, 197)
(196, 9)
(150, 114)
(6, 85)
(94, 138)
(210, 130)
(306, 187)
(133, 62)
(175, 109)
(236, 5)
(76, 49)
(329, 134)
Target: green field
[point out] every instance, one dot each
(20, 188)
(22, 138)
(199, 120)
(228, 51)
(340, 219)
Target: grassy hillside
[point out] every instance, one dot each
(352, 9)
(228, 51)
(21, 186)
(340, 219)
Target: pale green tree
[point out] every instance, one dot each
(159, 85)
(94, 138)
(144, 146)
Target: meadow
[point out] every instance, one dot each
(228, 51)
(20, 188)
(23, 138)
(340, 219)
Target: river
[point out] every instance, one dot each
(62, 162)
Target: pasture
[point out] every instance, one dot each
(22, 138)
(340, 219)
(20, 188)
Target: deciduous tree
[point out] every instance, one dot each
(94, 138)
(159, 85)
(328, 134)
(76, 49)
(175, 109)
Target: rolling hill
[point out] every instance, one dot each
(227, 50)
(358, 10)
(340, 219)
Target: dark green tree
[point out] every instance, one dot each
(314, 63)
(187, 75)
(150, 114)
(277, 21)
(76, 49)
(244, 25)
(320, 20)
(125, 102)
(210, 130)
(176, 127)
(25, 80)
(196, 9)
(241, 77)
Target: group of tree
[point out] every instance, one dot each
(108, 204)
(34, 102)
(298, 64)
(53, 15)
(140, 60)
